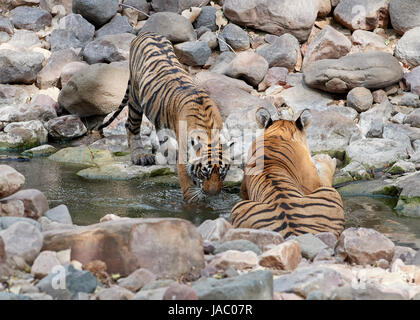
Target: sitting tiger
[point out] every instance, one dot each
(162, 90)
(282, 189)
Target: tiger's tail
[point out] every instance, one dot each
(118, 111)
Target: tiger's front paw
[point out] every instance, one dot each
(325, 160)
(143, 159)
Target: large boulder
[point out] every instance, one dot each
(19, 67)
(165, 246)
(11, 181)
(373, 70)
(97, 12)
(408, 47)
(296, 17)
(95, 90)
(404, 14)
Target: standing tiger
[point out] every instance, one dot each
(282, 189)
(162, 90)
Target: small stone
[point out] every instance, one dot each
(249, 66)
(239, 245)
(379, 96)
(382, 263)
(114, 293)
(11, 181)
(262, 238)
(193, 53)
(214, 230)
(285, 256)
(235, 36)
(178, 291)
(236, 259)
(35, 202)
(59, 214)
(274, 76)
(207, 18)
(360, 99)
(44, 264)
(310, 245)
(137, 280)
(210, 38)
(66, 127)
(328, 238)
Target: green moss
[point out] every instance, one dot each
(388, 190)
(161, 172)
(120, 154)
(333, 153)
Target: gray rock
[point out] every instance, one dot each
(408, 47)
(222, 62)
(207, 18)
(6, 25)
(369, 41)
(257, 285)
(59, 214)
(369, 291)
(210, 38)
(328, 238)
(23, 135)
(371, 70)
(4, 37)
(12, 296)
(66, 282)
(137, 280)
(65, 127)
(310, 245)
(35, 203)
(405, 254)
(19, 67)
(413, 119)
(97, 12)
(407, 99)
(401, 132)
(360, 99)
(109, 48)
(118, 24)
(275, 17)
(6, 222)
(404, 14)
(407, 204)
(249, 66)
(192, 53)
(114, 293)
(282, 52)
(176, 5)
(25, 39)
(372, 121)
(234, 36)
(30, 18)
(239, 245)
(141, 5)
(173, 26)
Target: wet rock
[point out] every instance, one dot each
(95, 11)
(407, 49)
(178, 291)
(82, 155)
(310, 245)
(362, 14)
(214, 230)
(207, 18)
(328, 238)
(373, 70)
(19, 67)
(262, 238)
(238, 245)
(66, 127)
(30, 18)
(274, 76)
(285, 256)
(118, 25)
(407, 204)
(110, 83)
(22, 239)
(65, 283)
(235, 36)
(11, 181)
(360, 99)
(372, 121)
(114, 293)
(41, 151)
(137, 280)
(50, 73)
(192, 53)
(44, 264)
(249, 66)
(369, 41)
(59, 214)
(277, 17)
(236, 259)
(23, 135)
(108, 48)
(257, 285)
(327, 44)
(173, 26)
(404, 14)
(34, 202)
(364, 246)
(283, 51)
(173, 246)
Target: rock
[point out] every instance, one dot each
(277, 17)
(402, 166)
(214, 230)
(50, 73)
(176, 5)
(234, 36)
(66, 282)
(238, 245)
(22, 239)
(274, 76)
(69, 70)
(6, 222)
(66, 127)
(407, 204)
(12, 296)
(11, 181)
(117, 25)
(222, 62)
(324, 8)
(327, 44)
(173, 26)
(328, 238)
(24, 39)
(362, 14)
(114, 293)
(19, 67)
(284, 51)
(262, 238)
(207, 18)
(108, 48)
(44, 264)
(178, 291)
(41, 151)
(360, 99)
(234, 259)
(2, 252)
(407, 48)
(173, 246)
(372, 70)
(59, 214)
(34, 201)
(305, 280)
(30, 18)
(14, 95)
(372, 121)
(95, 90)
(285, 256)
(406, 254)
(375, 152)
(257, 285)
(23, 135)
(154, 290)
(137, 280)
(141, 5)
(310, 245)
(96, 12)
(364, 246)
(6, 25)
(404, 14)
(400, 132)
(83, 155)
(28, 112)
(248, 65)
(192, 53)
(210, 38)
(369, 41)
(412, 80)
(413, 119)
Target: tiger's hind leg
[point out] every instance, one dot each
(139, 156)
(325, 165)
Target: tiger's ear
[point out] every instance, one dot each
(304, 119)
(263, 118)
